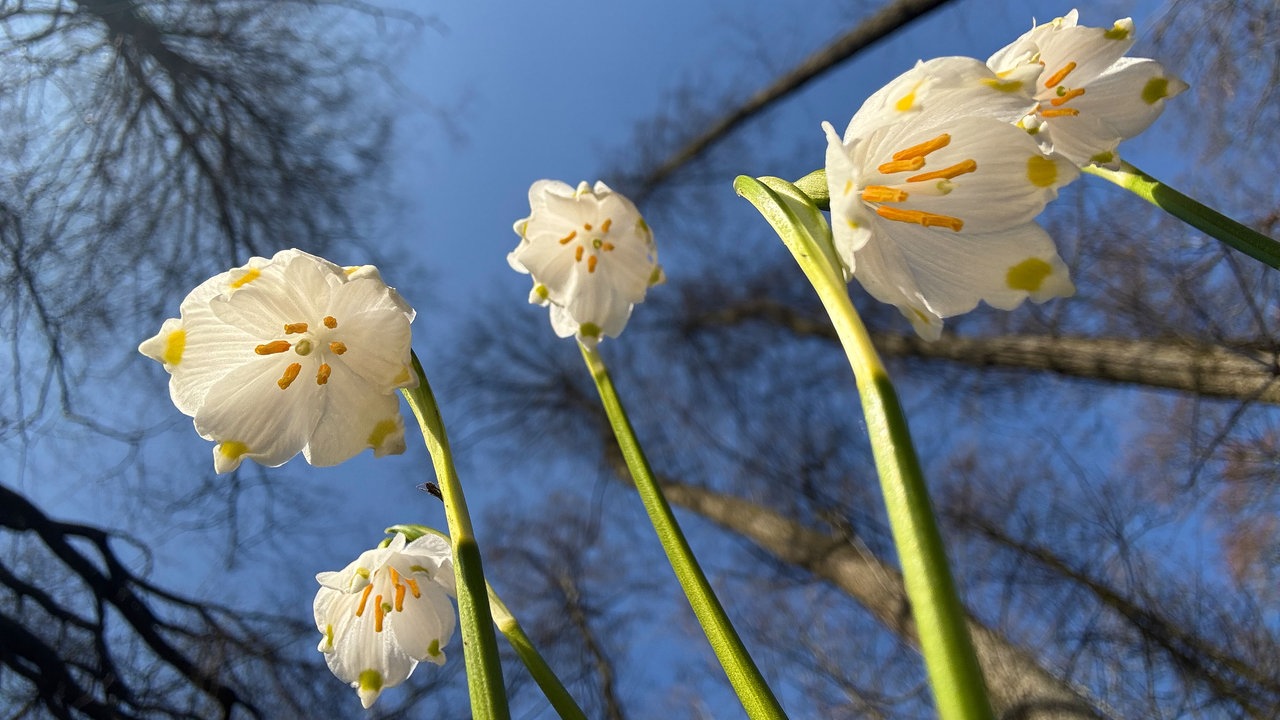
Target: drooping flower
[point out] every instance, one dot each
(386, 612)
(591, 256)
(287, 355)
(934, 193)
(1089, 96)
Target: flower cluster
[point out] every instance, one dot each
(591, 256)
(287, 355)
(937, 180)
(386, 612)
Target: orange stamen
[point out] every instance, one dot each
(882, 193)
(607, 246)
(586, 226)
(399, 598)
(578, 255)
(337, 347)
(1059, 112)
(604, 227)
(364, 597)
(294, 328)
(591, 263)
(920, 217)
(923, 148)
(330, 322)
(290, 374)
(413, 586)
(322, 375)
(1066, 97)
(898, 166)
(947, 173)
(378, 613)
(1059, 76)
(273, 347)
(568, 238)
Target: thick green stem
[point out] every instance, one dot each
(479, 644)
(753, 691)
(952, 665)
(1207, 220)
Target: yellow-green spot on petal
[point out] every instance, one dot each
(245, 279)
(643, 227)
(1028, 275)
(589, 330)
(350, 269)
(380, 433)
(173, 347)
(852, 223)
(1041, 171)
(1004, 86)
(1156, 89)
(363, 572)
(1103, 158)
(232, 449)
(656, 276)
(1117, 32)
(908, 101)
(328, 635)
(370, 681)
(920, 315)
(419, 569)
(401, 377)
(433, 650)
(541, 291)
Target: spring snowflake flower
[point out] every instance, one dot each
(932, 205)
(287, 355)
(386, 612)
(591, 256)
(1089, 96)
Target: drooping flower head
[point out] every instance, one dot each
(287, 355)
(386, 612)
(591, 256)
(1089, 97)
(934, 192)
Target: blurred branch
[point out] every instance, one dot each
(888, 19)
(1248, 374)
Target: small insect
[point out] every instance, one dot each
(431, 488)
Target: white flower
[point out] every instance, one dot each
(932, 206)
(591, 256)
(290, 354)
(386, 612)
(1089, 96)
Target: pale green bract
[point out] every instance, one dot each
(386, 612)
(287, 355)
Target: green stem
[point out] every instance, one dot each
(1207, 220)
(560, 699)
(953, 668)
(753, 691)
(479, 645)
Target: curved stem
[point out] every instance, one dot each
(1197, 215)
(954, 672)
(753, 692)
(563, 703)
(479, 645)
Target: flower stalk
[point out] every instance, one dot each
(753, 692)
(479, 644)
(1197, 215)
(954, 672)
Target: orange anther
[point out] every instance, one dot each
(586, 226)
(920, 217)
(604, 226)
(1059, 112)
(1059, 76)
(364, 597)
(330, 322)
(399, 598)
(322, 375)
(591, 263)
(946, 173)
(923, 148)
(568, 238)
(1066, 97)
(273, 347)
(607, 246)
(578, 255)
(897, 166)
(882, 193)
(290, 374)
(337, 347)
(379, 612)
(294, 328)
(413, 586)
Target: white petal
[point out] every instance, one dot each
(1092, 49)
(1129, 96)
(353, 416)
(247, 407)
(850, 224)
(376, 333)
